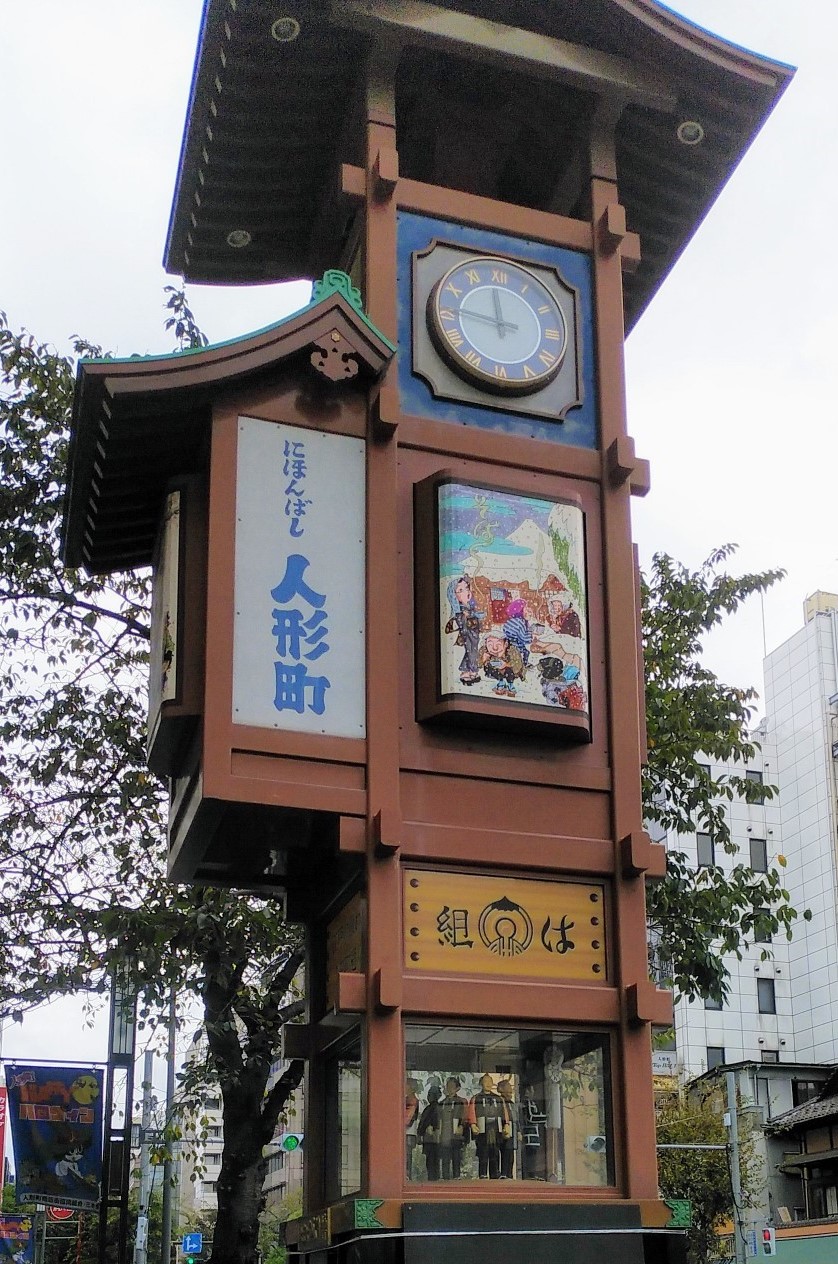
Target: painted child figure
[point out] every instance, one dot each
(501, 662)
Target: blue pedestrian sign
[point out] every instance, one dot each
(192, 1243)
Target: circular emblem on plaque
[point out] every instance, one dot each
(497, 325)
(505, 927)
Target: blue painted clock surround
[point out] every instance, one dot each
(416, 232)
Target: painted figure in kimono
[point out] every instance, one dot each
(487, 1114)
(563, 618)
(559, 682)
(517, 629)
(465, 621)
(428, 1132)
(452, 1137)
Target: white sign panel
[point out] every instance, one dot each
(298, 654)
(664, 1062)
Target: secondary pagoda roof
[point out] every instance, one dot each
(273, 100)
(141, 421)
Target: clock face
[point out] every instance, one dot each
(497, 325)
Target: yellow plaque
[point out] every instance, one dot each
(457, 923)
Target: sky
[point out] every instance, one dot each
(732, 372)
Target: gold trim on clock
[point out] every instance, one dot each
(497, 325)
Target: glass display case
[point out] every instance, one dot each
(499, 1103)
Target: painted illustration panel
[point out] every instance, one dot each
(512, 600)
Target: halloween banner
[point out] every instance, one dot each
(55, 1115)
(17, 1240)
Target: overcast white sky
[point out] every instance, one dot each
(732, 372)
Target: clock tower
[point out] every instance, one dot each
(398, 678)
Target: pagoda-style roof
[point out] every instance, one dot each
(490, 109)
(142, 421)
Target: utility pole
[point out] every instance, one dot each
(141, 1242)
(169, 1167)
(735, 1177)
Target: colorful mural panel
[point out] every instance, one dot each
(512, 599)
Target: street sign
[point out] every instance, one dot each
(60, 1213)
(192, 1243)
(751, 1243)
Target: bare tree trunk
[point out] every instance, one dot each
(240, 1197)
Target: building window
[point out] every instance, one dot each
(759, 855)
(770, 1055)
(212, 1103)
(765, 996)
(751, 774)
(710, 1003)
(715, 1056)
(804, 1091)
(763, 1095)
(703, 769)
(705, 849)
(762, 936)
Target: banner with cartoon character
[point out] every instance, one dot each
(55, 1115)
(17, 1240)
(511, 603)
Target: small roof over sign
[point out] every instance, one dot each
(139, 422)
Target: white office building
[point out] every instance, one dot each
(784, 1009)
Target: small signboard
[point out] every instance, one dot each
(457, 923)
(299, 626)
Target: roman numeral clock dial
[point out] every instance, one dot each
(497, 325)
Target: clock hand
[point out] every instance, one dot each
(498, 313)
(502, 325)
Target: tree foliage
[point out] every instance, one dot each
(82, 824)
(703, 1176)
(692, 717)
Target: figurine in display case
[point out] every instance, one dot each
(487, 1115)
(428, 1132)
(411, 1123)
(453, 1130)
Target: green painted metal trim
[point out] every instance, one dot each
(365, 1208)
(682, 1213)
(332, 282)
